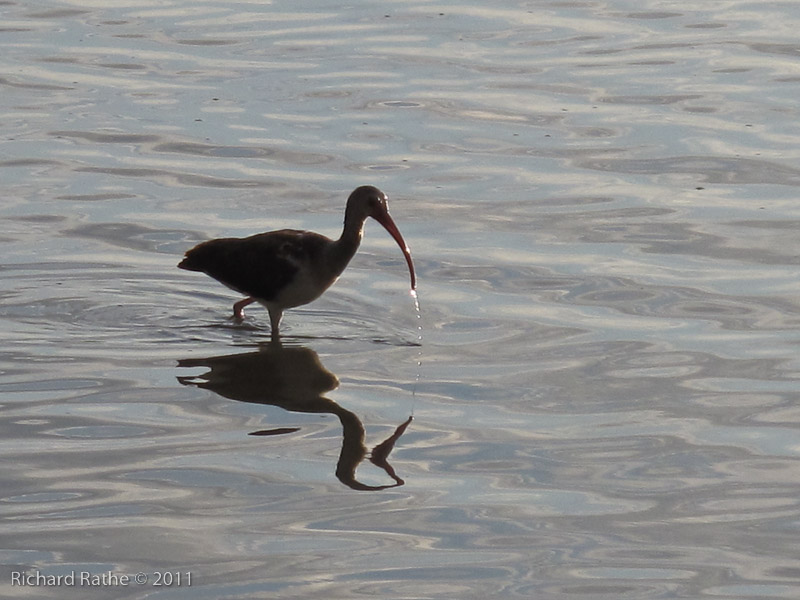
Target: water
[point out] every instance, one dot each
(601, 199)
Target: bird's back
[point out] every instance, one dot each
(260, 265)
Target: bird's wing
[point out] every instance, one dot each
(259, 265)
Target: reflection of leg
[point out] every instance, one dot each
(238, 308)
(380, 453)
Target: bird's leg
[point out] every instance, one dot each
(275, 315)
(238, 308)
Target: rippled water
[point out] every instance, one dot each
(601, 198)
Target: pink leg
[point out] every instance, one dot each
(238, 308)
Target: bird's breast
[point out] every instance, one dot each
(306, 286)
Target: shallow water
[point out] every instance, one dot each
(601, 199)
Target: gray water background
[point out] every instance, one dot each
(602, 203)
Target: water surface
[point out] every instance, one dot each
(601, 199)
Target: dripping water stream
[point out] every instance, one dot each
(418, 373)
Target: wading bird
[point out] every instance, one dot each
(287, 268)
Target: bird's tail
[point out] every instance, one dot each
(190, 263)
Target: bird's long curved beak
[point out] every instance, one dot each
(388, 224)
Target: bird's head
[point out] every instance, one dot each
(369, 201)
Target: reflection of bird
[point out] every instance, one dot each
(286, 268)
(291, 377)
(294, 379)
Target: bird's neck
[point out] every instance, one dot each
(346, 246)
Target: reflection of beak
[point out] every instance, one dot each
(387, 222)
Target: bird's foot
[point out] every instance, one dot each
(238, 308)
